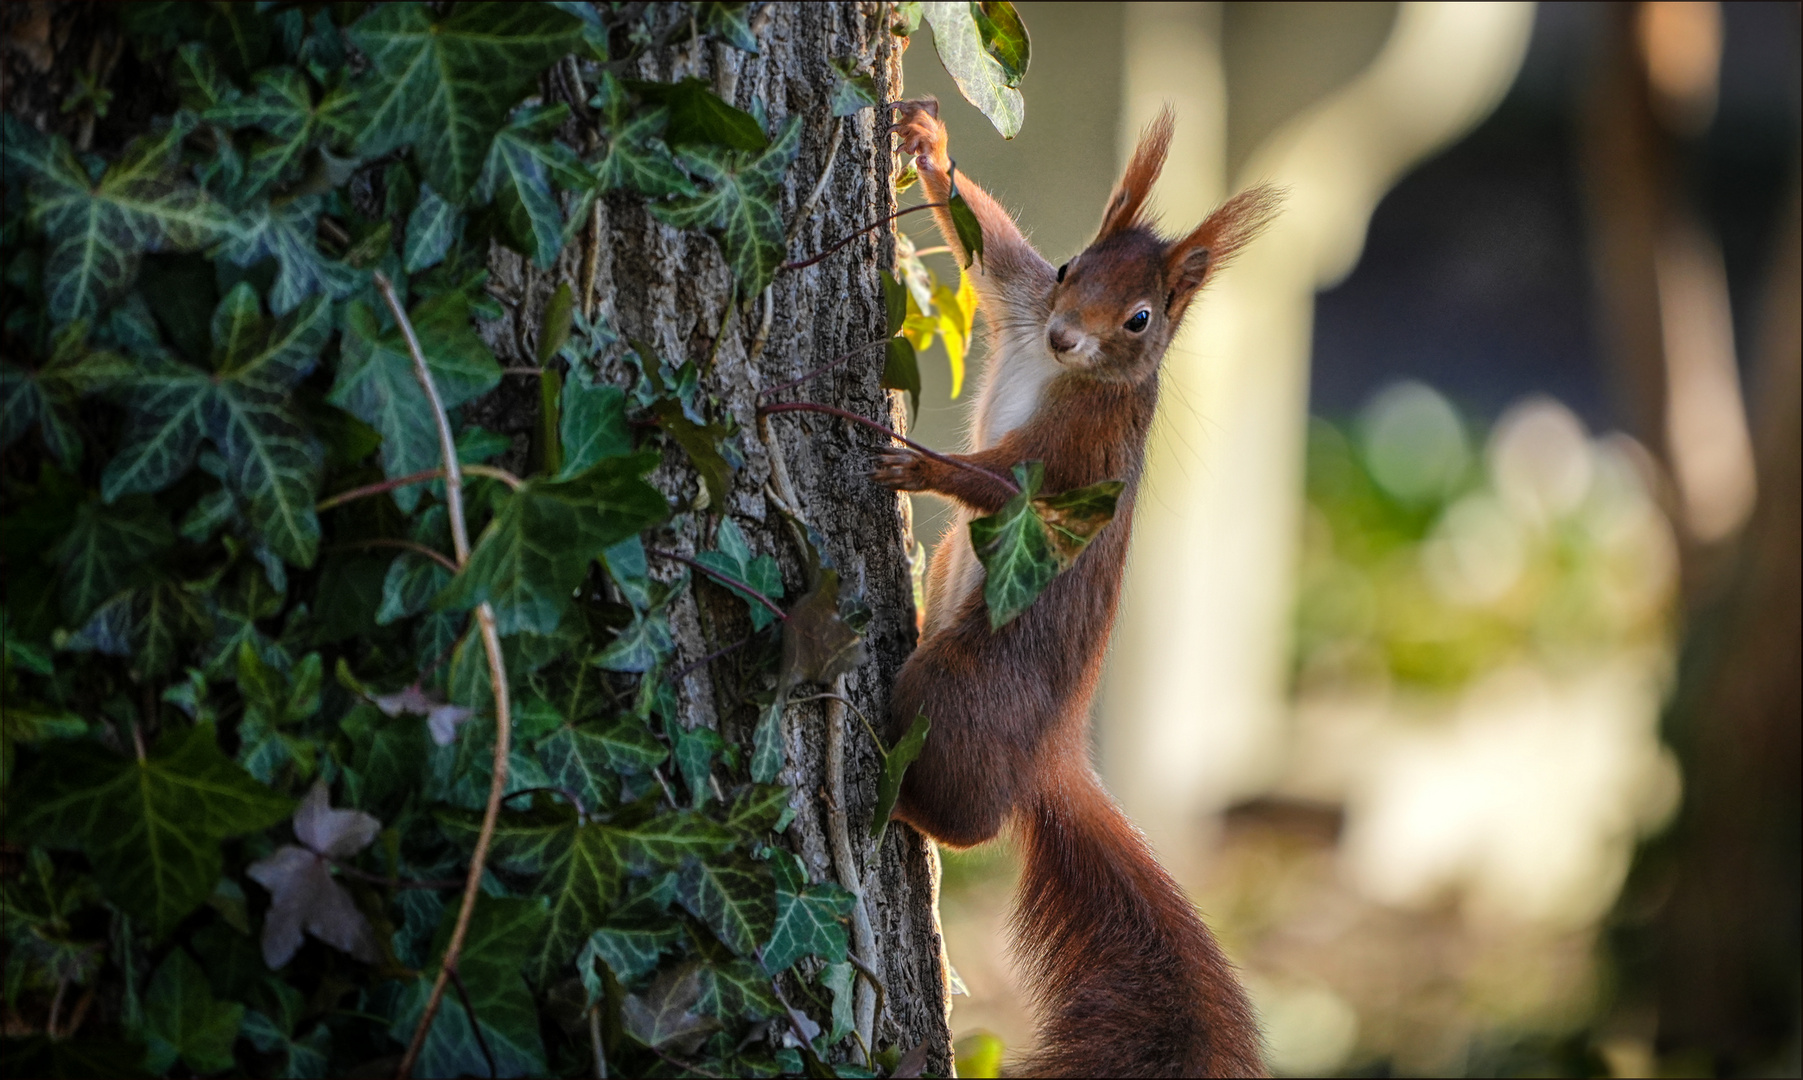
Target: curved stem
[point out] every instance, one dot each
(708, 659)
(810, 406)
(725, 579)
(367, 490)
(438, 557)
(497, 674)
(805, 263)
(469, 1010)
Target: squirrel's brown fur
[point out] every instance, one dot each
(1128, 980)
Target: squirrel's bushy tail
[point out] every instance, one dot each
(1128, 980)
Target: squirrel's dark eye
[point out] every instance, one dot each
(1062, 269)
(1138, 322)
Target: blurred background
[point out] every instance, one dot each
(1459, 666)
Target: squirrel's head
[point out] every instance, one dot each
(1116, 306)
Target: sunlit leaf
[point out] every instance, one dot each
(1015, 552)
(1004, 38)
(982, 79)
(964, 221)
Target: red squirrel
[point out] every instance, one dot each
(1128, 980)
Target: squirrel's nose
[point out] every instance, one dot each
(1061, 340)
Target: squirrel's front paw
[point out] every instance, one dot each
(900, 469)
(920, 134)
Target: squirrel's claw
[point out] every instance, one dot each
(920, 134)
(898, 469)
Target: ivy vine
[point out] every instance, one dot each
(313, 762)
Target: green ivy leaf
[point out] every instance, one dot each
(151, 828)
(590, 758)
(1073, 518)
(760, 808)
(518, 176)
(767, 756)
(741, 205)
(97, 232)
(535, 551)
(107, 549)
(665, 1014)
(964, 221)
(730, 22)
(733, 898)
(445, 87)
(377, 385)
(896, 760)
(275, 1032)
(636, 158)
(810, 919)
(1015, 552)
(735, 989)
(593, 421)
(1004, 38)
(281, 106)
(734, 559)
(901, 370)
(698, 117)
(183, 1020)
(434, 225)
(635, 934)
(852, 92)
(501, 934)
(409, 586)
(981, 78)
(285, 233)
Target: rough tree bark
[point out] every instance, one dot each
(673, 290)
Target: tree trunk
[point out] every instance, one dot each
(673, 290)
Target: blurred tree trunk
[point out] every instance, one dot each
(1708, 929)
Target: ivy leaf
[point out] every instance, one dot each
(741, 205)
(285, 233)
(517, 176)
(274, 1033)
(535, 551)
(377, 385)
(964, 221)
(730, 23)
(767, 757)
(183, 1020)
(281, 106)
(896, 760)
(198, 80)
(1014, 549)
(733, 898)
(694, 750)
(1004, 38)
(981, 78)
(818, 646)
(594, 426)
(105, 550)
(642, 645)
(432, 227)
(852, 92)
(409, 586)
(589, 758)
(901, 370)
(810, 919)
(698, 117)
(304, 896)
(734, 559)
(634, 935)
(98, 231)
(637, 158)
(500, 934)
(152, 829)
(445, 87)
(1031, 540)
(165, 421)
(48, 396)
(665, 1014)
(735, 989)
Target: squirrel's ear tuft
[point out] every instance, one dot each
(1128, 202)
(1191, 261)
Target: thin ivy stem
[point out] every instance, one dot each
(368, 490)
(438, 557)
(683, 671)
(927, 452)
(805, 263)
(845, 863)
(724, 579)
(497, 674)
(847, 702)
(821, 370)
(594, 1042)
